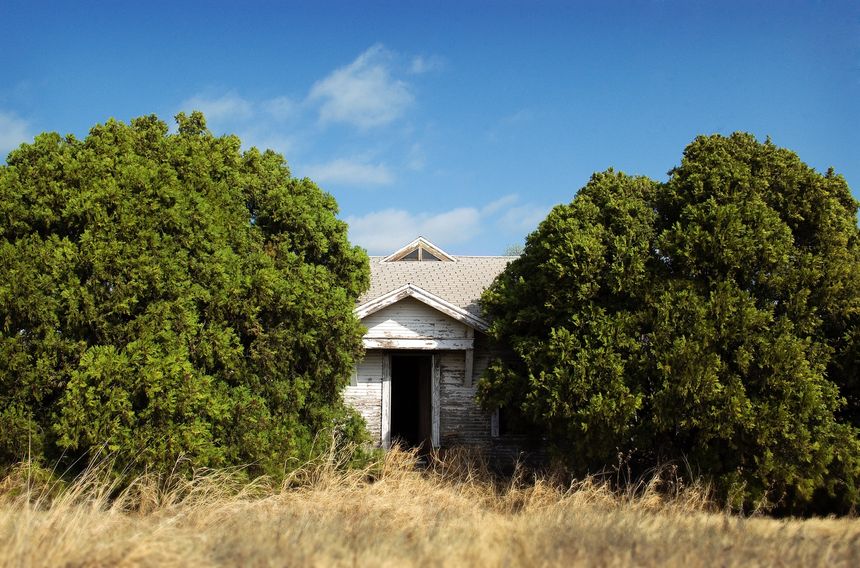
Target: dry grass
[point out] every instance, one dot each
(451, 514)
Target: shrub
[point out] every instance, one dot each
(169, 295)
(711, 319)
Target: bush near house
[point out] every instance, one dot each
(710, 320)
(167, 296)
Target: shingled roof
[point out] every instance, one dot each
(460, 282)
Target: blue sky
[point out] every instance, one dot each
(462, 121)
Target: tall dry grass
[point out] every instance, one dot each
(392, 513)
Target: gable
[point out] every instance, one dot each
(406, 322)
(410, 318)
(419, 250)
(426, 297)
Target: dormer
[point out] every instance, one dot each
(419, 250)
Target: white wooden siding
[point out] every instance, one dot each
(462, 421)
(412, 319)
(366, 394)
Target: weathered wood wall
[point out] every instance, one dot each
(461, 420)
(365, 394)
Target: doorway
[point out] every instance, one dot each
(411, 408)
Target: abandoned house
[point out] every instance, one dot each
(425, 349)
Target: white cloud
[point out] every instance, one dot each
(416, 160)
(281, 108)
(421, 64)
(227, 107)
(499, 203)
(13, 131)
(382, 232)
(366, 93)
(256, 122)
(524, 218)
(350, 172)
(264, 138)
(363, 93)
(231, 108)
(453, 226)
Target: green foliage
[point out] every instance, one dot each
(711, 319)
(168, 295)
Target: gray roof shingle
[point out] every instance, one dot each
(460, 283)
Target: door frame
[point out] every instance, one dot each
(435, 383)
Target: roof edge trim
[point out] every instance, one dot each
(426, 297)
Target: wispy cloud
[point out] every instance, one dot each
(257, 122)
(513, 217)
(363, 93)
(350, 172)
(523, 218)
(498, 204)
(367, 93)
(225, 107)
(264, 137)
(281, 108)
(13, 131)
(511, 124)
(421, 64)
(382, 232)
(416, 159)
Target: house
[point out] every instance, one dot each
(426, 346)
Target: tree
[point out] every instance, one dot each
(167, 295)
(514, 250)
(710, 319)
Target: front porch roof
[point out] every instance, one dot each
(412, 291)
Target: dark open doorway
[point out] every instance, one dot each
(410, 401)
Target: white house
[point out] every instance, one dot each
(425, 348)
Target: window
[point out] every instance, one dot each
(504, 423)
(419, 254)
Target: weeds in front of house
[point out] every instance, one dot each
(451, 511)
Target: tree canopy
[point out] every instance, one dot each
(710, 320)
(167, 296)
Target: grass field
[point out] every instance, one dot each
(394, 514)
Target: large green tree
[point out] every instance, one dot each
(169, 295)
(711, 319)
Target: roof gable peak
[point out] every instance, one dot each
(419, 250)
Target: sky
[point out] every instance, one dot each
(464, 122)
